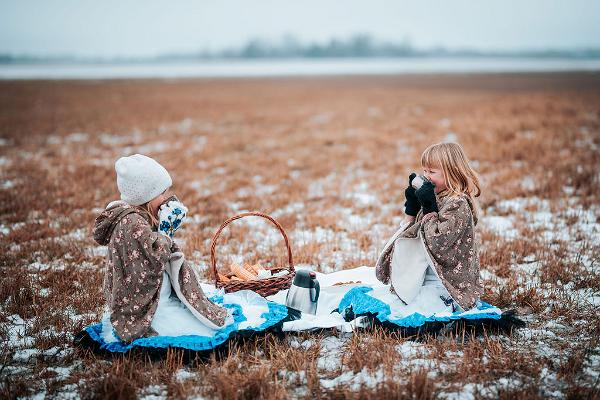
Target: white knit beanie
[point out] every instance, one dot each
(140, 179)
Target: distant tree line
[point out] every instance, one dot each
(357, 46)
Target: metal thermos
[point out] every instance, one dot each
(303, 294)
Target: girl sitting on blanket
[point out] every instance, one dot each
(142, 262)
(435, 251)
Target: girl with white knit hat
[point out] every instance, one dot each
(144, 265)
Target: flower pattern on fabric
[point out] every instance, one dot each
(449, 237)
(195, 296)
(135, 261)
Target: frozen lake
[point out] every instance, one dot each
(292, 67)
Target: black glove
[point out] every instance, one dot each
(411, 205)
(426, 196)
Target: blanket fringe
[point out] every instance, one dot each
(506, 324)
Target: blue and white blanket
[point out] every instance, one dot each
(363, 299)
(367, 296)
(177, 327)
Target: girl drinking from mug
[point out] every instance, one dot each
(433, 259)
(143, 264)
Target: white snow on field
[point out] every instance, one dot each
(590, 296)
(113, 140)
(500, 225)
(200, 187)
(330, 358)
(294, 208)
(527, 272)
(265, 190)
(153, 392)
(451, 137)
(592, 364)
(362, 196)
(97, 251)
(472, 391)
(316, 188)
(352, 221)
(184, 374)
(77, 137)
(148, 148)
(354, 381)
(553, 224)
(30, 354)
(409, 349)
(322, 118)
(183, 127)
(318, 235)
(16, 332)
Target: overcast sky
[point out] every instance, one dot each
(108, 28)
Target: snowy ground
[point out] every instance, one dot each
(329, 160)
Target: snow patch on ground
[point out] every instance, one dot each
(500, 225)
(537, 214)
(354, 381)
(330, 358)
(410, 349)
(7, 184)
(153, 392)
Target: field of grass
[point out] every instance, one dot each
(329, 158)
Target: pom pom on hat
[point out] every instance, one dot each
(140, 179)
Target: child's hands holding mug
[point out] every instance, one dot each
(411, 205)
(171, 215)
(426, 196)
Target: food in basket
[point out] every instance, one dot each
(259, 270)
(256, 268)
(346, 283)
(247, 272)
(263, 280)
(242, 273)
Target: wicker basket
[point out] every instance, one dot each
(264, 287)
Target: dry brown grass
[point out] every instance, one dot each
(328, 157)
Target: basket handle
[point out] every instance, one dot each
(213, 257)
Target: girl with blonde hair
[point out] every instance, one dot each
(433, 258)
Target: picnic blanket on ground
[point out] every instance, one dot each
(249, 312)
(362, 300)
(349, 299)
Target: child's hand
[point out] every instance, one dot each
(426, 196)
(171, 215)
(411, 205)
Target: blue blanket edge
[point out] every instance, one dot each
(276, 314)
(362, 304)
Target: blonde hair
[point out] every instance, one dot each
(459, 176)
(145, 208)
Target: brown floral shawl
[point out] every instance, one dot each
(137, 257)
(449, 238)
